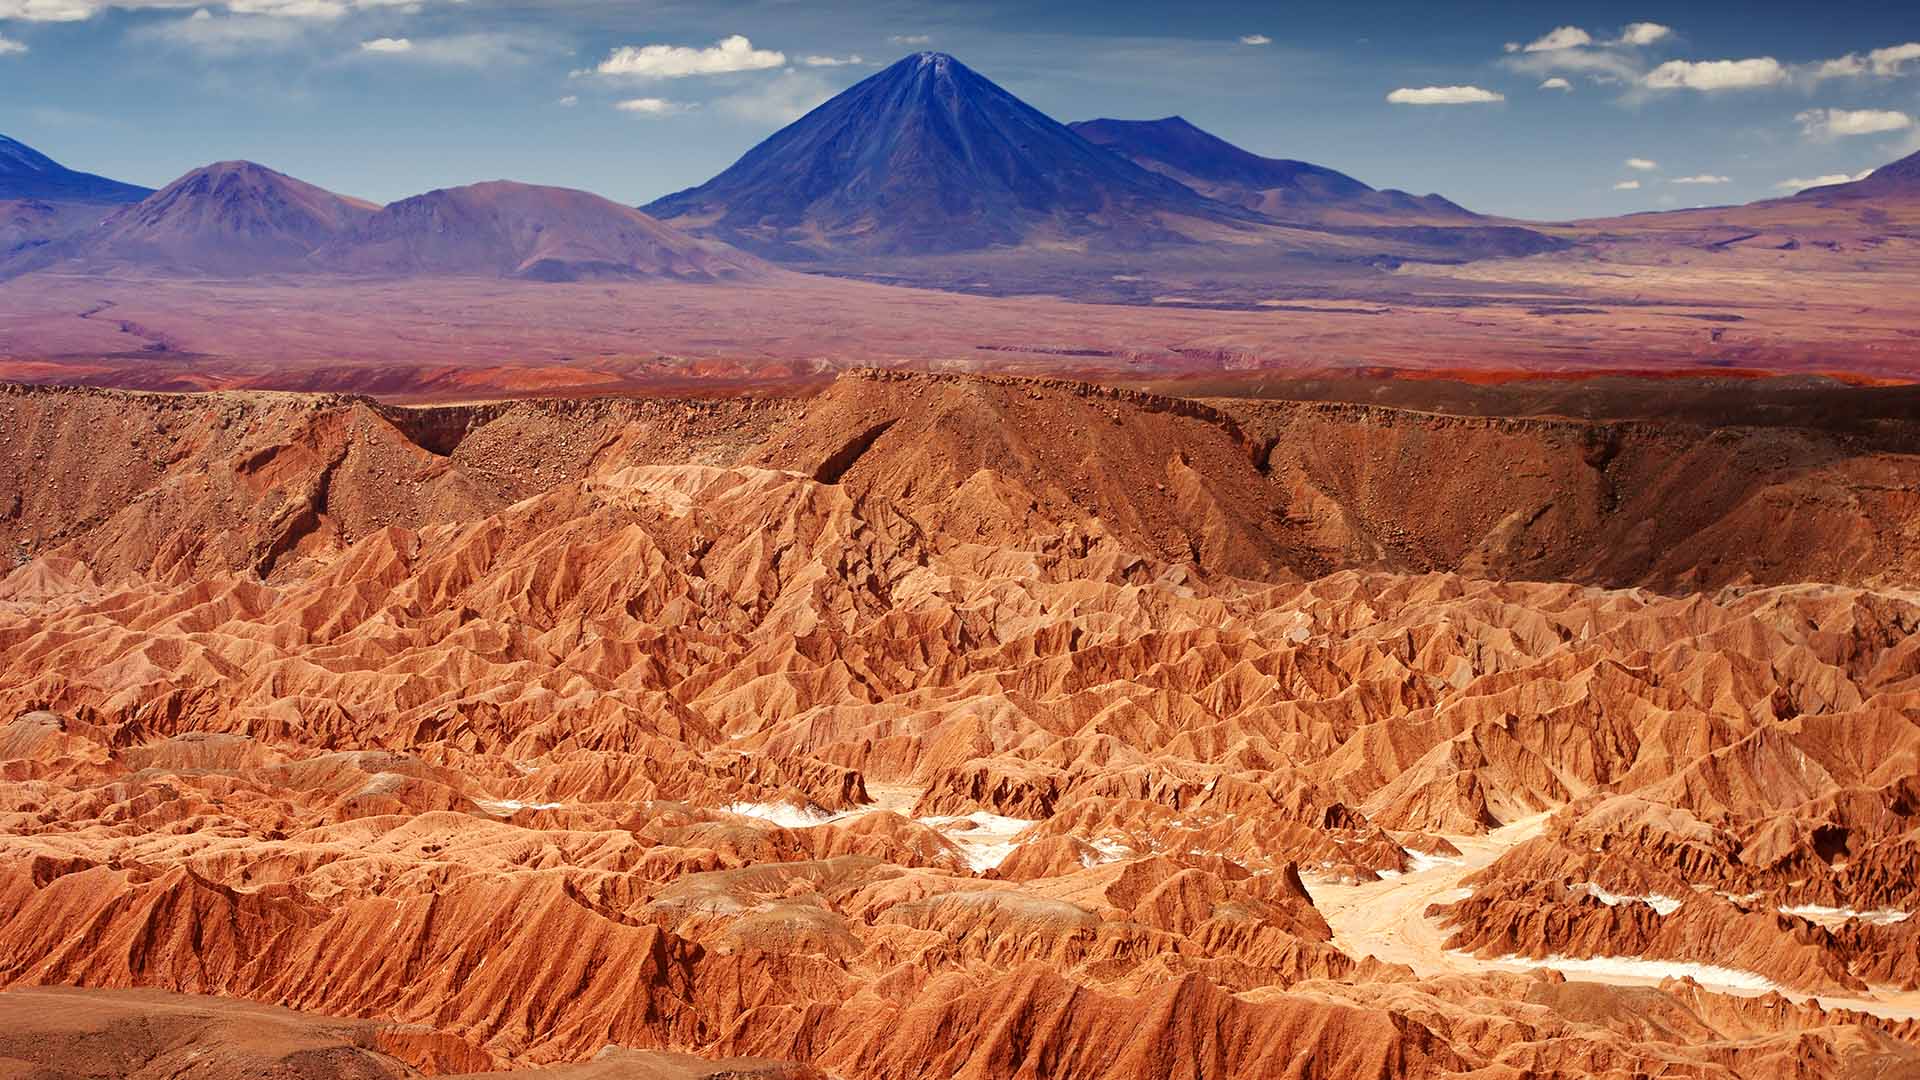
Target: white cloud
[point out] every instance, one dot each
(1443, 95)
(569, 101)
(832, 61)
(49, 10)
(651, 106)
(781, 100)
(910, 39)
(1557, 83)
(729, 54)
(1642, 164)
(1887, 63)
(1560, 37)
(10, 47)
(1703, 178)
(387, 45)
(1893, 61)
(1798, 183)
(1643, 33)
(1833, 123)
(1710, 75)
(1627, 185)
(1255, 39)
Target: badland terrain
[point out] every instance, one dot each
(957, 595)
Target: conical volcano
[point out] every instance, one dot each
(929, 157)
(228, 217)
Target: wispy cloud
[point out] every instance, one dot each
(652, 106)
(1834, 123)
(225, 35)
(1627, 185)
(1443, 95)
(1890, 62)
(910, 39)
(780, 100)
(729, 54)
(477, 50)
(1557, 83)
(1255, 39)
(1642, 164)
(832, 61)
(1702, 178)
(568, 101)
(10, 47)
(81, 10)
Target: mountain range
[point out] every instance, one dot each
(915, 174)
(237, 218)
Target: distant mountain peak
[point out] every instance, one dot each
(928, 156)
(26, 173)
(228, 217)
(507, 229)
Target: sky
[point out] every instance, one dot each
(1537, 110)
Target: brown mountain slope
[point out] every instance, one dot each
(503, 229)
(229, 217)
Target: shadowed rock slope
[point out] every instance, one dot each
(935, 726)
(1280, 188)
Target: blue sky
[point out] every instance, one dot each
(1660, 105)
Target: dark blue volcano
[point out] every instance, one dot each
(1281, 188)
(1176, 144)
(929, 157)
(26, 173)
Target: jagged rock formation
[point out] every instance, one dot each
(935, 726)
